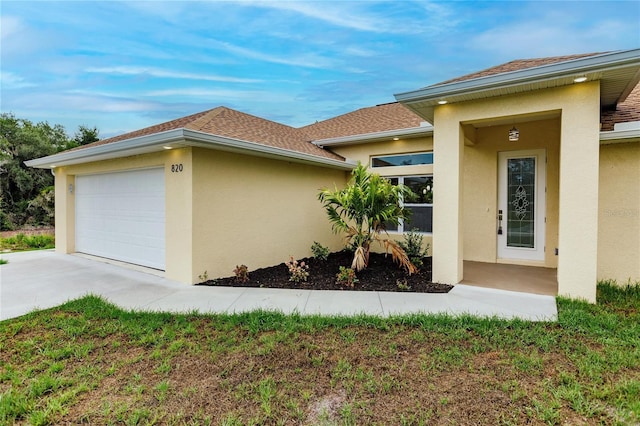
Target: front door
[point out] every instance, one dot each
(521, 205)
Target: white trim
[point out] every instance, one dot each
(178, 138)
(376, 136)
(619, 136)
(589, 64)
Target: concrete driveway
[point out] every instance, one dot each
(44, 279)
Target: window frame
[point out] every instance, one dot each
(373, 157)
(400, 229)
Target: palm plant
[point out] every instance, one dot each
(362, 210)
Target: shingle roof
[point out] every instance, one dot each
(226, 122)
(517, 65)
(626, 111)
(380, 118)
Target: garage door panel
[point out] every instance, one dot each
(122, 216)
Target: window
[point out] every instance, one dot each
(420, 204)
(402, 160)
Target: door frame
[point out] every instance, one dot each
(516, 254)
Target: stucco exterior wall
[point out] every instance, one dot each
(363, 152)
(578, 107)
(178, 212)
(256, 211)
(481, 185)
(619, 213)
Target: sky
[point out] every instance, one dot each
(124, 65)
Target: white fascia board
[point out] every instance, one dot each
(184, 137)
(376, 136)
(619, 136)
(207, 140)
(107, 151)
(575, 67)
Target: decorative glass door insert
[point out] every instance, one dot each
(521, 205)
(521, 202)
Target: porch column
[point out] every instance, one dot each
(578, 204)
(448, 150)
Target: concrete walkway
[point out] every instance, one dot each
(44, 279)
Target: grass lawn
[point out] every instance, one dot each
(90, 362)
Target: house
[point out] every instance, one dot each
(534, 162)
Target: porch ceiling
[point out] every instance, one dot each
(618, 72)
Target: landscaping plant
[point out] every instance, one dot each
(346, 276)
(242, 273)
(412, 245)
(299, 271)
(319, 251)
(362, 210)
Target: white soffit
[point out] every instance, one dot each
(618, 72)
(176, 139)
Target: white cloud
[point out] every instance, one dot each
(160, 73)
(13, 81)
(309, 60)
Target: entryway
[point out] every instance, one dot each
(526, 279)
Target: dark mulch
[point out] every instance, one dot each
(382, 274)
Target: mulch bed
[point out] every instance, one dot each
(382, 274)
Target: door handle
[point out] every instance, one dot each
(499, 222)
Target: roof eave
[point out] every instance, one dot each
(619, 136)
(576, 67)
(179, 138)
(412, 132)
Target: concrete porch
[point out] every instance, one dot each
(526, 279)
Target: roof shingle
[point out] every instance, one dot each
(517, 65)
(226, 122)
(626, 111)
(380, 118)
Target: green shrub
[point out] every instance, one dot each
(319, 251)
(412, 245)
(346, 276)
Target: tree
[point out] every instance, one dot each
(26, 194)
(85, 135)
(362, 211)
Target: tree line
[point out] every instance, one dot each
(27, 194)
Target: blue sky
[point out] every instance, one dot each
(123, 65)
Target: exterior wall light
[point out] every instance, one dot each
(514, 134)
(580, 79)
(70, 188)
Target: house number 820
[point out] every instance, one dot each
(176, 168)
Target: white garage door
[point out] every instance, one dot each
(121, 216)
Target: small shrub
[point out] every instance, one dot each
(299, 271)
(203, 277)
(3, 261)
(403, 285)
(319, 251)
(412, 245)
(242, 273)
(346, 276)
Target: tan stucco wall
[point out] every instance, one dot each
(256, 211)
(619, 213)
(363, 152)
(579, 108)
(481, 185)
(178, 204)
